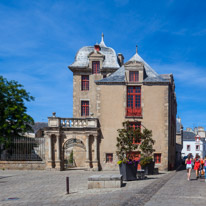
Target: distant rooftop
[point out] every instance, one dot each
(188, 136)
(39, 125)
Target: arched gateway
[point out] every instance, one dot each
(74, 152)
(79, 135)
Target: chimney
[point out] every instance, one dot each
(120, 59)
(97, 47)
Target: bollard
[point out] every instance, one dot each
(67, 184)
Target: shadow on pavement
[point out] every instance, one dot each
(181, 167)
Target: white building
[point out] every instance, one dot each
(193, 143)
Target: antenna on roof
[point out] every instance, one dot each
(136, 49)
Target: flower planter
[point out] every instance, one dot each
(149, 168)
(128, 171)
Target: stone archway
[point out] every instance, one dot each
(79, 153)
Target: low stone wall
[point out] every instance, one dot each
(105, 181)
(22, 165)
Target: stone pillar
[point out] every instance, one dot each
(95, 161)
(87, 162)
(95, 148)
(49, 161)
(58, 161)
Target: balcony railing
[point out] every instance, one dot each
(133, 112)
(72, 122)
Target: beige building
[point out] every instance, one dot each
(107, 92)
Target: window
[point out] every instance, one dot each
(109, 157)
(85, 108)
(85, 82)
(197, 147)
(157, 158)
(134, 97)
(134, 101)
(133, 76)
(188, 147)
(136, 125)
(95, 67)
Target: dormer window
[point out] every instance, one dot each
(133, 76)
(95, 67)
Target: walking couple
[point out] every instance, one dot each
(198, 166)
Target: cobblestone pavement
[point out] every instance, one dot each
(36, 188)
(179, 191)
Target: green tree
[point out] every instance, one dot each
(125, 141)
(13, 118)
(146, 147)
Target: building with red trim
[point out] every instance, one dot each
(107, 92)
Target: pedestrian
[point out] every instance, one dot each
(205, 167)
(197, 165)
(188, 163)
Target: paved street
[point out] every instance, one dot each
(36, 188)
(179, 191)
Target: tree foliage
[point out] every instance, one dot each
(125, 141)
(13, 118)
(147, 143)
(146, 147)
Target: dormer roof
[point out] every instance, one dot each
(149, 71)
(151, 75)
(82, 56)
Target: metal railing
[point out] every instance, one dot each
(133, 112)
(23, 149)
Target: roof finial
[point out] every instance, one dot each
(136, 49)
(102, 44)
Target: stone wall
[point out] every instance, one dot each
(22, 165)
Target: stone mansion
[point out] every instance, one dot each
(107, 92)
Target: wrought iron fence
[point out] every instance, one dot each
(24, 149)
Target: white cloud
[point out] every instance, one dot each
(185, 73)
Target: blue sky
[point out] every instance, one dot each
(39, 39)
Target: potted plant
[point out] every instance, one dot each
(147, 150)
(125, 146)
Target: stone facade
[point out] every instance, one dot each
(108, 107)
(179, 141)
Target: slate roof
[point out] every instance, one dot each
(111, 61)
(150, 72)
(117, 76)
(188, 136)
(82, 60)
(152, 76)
